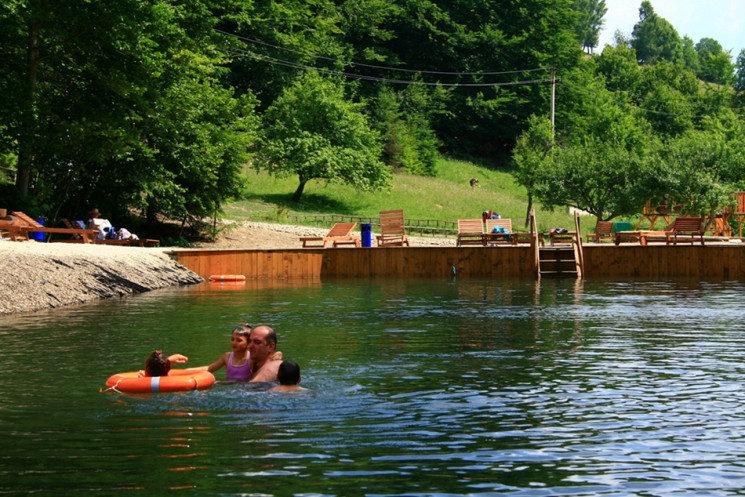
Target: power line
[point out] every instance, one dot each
(591, 93)
(296, 65)
(372, 66)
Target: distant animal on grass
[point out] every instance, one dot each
(474, 182)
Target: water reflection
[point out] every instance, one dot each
(416, 388)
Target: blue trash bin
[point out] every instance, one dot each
(37, 235)
(366, 229)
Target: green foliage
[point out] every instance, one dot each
(121, 107)
(589, 21)
(604, 178)
(691, 172)
(654, 38)
(714, 64)
(740, 72)
(409, 142)
(313, 131)
(690, 56)
(152, 107)
(532, 153)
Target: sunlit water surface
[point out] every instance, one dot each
(416, 388)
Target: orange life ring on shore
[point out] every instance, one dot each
(227, 277)
(177, 380)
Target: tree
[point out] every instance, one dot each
(531, 153)
(590, 15)
(740, 72)
(715, 64)
(603, 178)
(654, 38)
(97, 121)
(691, 171)
(690, 56)
(313, 131)
(401, 119)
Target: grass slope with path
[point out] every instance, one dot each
(448, 196)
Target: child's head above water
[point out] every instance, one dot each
(288, 373)
(157, 364)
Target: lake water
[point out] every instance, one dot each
(441, 388)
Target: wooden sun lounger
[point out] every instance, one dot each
(687, 229)
(392, 229)
(339, 234)
(491, 238)
(129, 242)
(602, 232)
(30, 225)
(470, 232)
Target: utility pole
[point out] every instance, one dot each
(553, 99)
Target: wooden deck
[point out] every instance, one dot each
(654, 262)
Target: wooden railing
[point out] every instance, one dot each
(421, 227)
(536, 245)
(579, 254)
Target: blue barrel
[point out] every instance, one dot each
(37, 235)
(366, 229)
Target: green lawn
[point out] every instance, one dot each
(448, 196)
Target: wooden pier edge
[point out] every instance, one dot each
(710, 262)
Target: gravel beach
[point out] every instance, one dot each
(35, 276)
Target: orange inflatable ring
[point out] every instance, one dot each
(177, 380)
(227, 277)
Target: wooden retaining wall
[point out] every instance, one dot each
(654, 262)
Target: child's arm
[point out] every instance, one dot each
(178, 358)
(277, 356)
(222, 361)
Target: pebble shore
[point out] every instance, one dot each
(35, 276)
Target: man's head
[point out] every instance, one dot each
(288, 373)
(262, 343)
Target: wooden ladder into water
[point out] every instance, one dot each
(564, 260)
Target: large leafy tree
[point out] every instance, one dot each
(691, 171)
(531, 153)
(312, 130)
(714, 63)
(600, 163)
(602, 177)
(740, 72)
(97, 88)
(590, 15)
(654, 38)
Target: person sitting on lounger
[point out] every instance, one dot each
(96, 222)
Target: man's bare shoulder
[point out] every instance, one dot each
(267, 372)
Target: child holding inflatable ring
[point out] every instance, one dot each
(159, 365)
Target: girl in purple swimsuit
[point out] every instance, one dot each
(237, 361)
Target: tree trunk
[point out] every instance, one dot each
(299, 191)
(150, 216)
(530, 207)
(26, 139)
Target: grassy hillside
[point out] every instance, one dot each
(448, 196)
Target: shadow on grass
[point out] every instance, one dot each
(309, 202)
